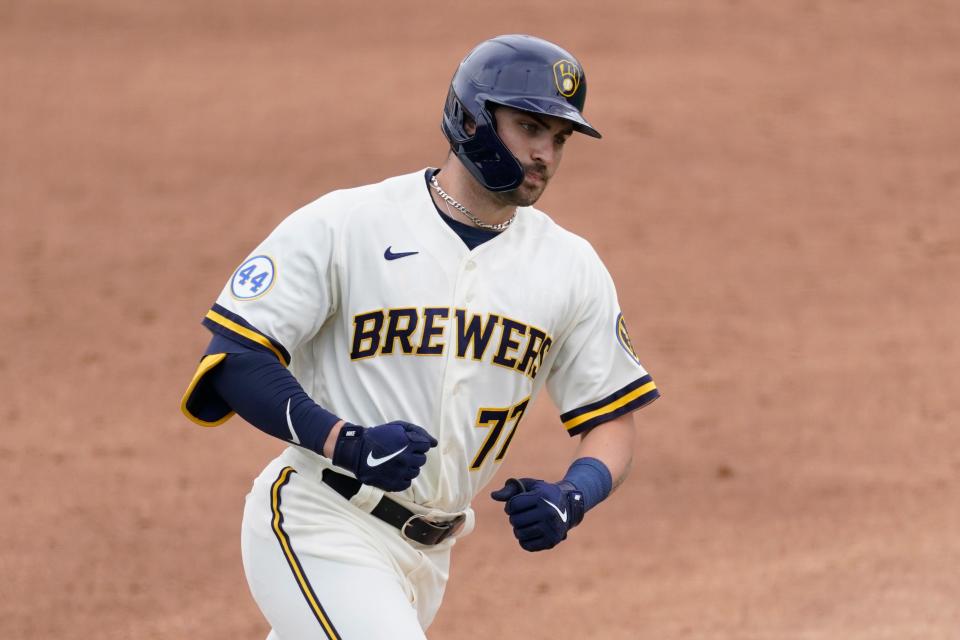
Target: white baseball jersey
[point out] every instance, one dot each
(384, 314)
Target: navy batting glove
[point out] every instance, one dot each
(540, 512)
(388, 456)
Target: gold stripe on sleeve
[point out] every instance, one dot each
(613, 406)
(246, 333)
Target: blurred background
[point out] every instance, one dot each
(775, 195)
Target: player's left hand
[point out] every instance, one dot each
(541, 512)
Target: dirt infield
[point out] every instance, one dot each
(776, 195)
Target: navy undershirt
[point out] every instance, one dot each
(473, 237)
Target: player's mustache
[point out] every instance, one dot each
(537, 169)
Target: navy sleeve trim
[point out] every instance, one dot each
(225, 322)
(638, 393)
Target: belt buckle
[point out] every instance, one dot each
(443, 529)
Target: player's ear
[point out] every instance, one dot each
(469, 124)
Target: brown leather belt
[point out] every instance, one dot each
(411, 525)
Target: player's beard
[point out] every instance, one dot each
(534, 183)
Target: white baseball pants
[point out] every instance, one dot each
(321, 568)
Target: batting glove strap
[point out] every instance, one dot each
(388, 456)
(541, 513)
(575, 502)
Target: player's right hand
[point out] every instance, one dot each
(388, 456)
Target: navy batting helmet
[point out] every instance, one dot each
(517, 71)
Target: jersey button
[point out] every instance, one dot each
(468, 297)
(471, 266)
(456, 388)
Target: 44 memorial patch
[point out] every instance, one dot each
(253, 278)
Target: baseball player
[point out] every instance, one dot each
(395, 335)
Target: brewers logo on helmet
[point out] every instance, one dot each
(567, 76)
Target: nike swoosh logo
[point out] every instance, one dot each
(376, 462)
(562, 514)
(293, 433)
(390, 255)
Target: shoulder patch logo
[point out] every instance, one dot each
(253, 278)
(624, 338)
(566, 75)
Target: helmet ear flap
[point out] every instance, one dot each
(482, 152)
(458, 124)
(453, 122)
